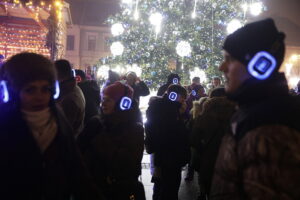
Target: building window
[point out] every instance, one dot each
(91, 42)
(70, 42)
(106, 45)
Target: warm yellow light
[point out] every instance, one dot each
(58, 4)
(294, 57)
(42, 3)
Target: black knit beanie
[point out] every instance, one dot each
(258, 36)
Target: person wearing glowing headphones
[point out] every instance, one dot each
(167, 141)
(260, 158)
(38, 154)
(113, 144)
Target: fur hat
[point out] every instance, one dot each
(258, 36)
(24, 68)
(118, 90)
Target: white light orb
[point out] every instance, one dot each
(117, 48)
(156, 19)
(194, 15)
(233, 26)
(245, 7)
(256, 8)
(103, 72)
(136, 15)
(127, 1)
(120, 70)
(117, 29)
(199, 73)
(183, 48)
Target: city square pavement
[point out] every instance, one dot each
(187, 191)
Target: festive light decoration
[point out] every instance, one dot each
(117, 48)
(201, 25)
(183, 48)
(117, 29)
(256, 8)
(197, 72)
(19, 34)
(103, 72)
(233, 26)
(127, 1)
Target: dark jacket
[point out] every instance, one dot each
(58, 173)
(91, 92)
(261, 159)
(113, 148)
(72, 102)
(166, 134)
(208, 131)
(140, 89)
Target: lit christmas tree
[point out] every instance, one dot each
(164, 36)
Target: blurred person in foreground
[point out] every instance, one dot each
(261, 158)
(38, 155)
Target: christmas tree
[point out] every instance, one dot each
(164, 36)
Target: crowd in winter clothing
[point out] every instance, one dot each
(62, 137)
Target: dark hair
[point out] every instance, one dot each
(171, 77)
(196, 78)
(218, 92)
(64, 69)
(178, 89)
(80, 73)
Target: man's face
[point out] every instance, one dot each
(235, 73)
(108, 105)
(216, 82)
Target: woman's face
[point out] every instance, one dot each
(35, 96)
(108, 105)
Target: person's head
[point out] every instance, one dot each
(177, 93)
(254, 51)
(116, 97)
(173, 79)
(216, 81)
(196, 80)
(218, 92)
(80, 75)
(113, 76)
(131, 78)
(30, 81)
(64, 70)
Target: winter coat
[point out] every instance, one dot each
(208, 131)
(140, 89)
(72, 102)
(113, 148)
(261, 159)
(26, 173)
(91, 92)
(166, 134)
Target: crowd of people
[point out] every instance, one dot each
(62, 137)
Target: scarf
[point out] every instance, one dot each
(43, 127)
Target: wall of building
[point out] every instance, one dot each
(89, 45)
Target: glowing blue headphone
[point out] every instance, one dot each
(125, 103)
(262, 65)
(173, 96)
(175, 81)
(194, 93)
(4, 93)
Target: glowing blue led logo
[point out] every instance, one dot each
(57, 90)
(4, 91)
(175, 81)
(125, 103)
(194, 93)
(262, 65)
(173, 96)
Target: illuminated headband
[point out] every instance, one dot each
(125, 103)
(262, 65)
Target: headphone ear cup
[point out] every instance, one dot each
(4, 93)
